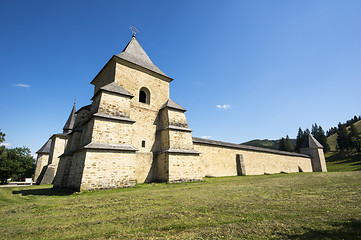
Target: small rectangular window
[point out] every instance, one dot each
(143, 143)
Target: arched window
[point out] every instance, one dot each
(144, 95)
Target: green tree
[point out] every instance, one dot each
(354, 138)
(320, 136)
(343, 138)
(282, 146)
(299, 139)
(2, 137)
(3, 159)
(15, 162)
(288, 145)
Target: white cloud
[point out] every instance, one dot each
(224, 106)
(5, 144)
(206, 137)
(22, 85)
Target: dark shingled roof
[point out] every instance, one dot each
(171, 104)
(183, 151)
(245, 147)
(114, 88)
(134, 53)
(119, 118)
(45, 148)
(89, 107)
(69, 125)
(105, 146)
(310, 142)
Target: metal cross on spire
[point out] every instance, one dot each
(134, 30)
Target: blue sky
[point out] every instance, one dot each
(243, 69)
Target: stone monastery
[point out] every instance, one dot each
(133, 132)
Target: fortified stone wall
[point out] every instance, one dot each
(317, 159)
(184, 168)
(41, 162)
(220, 161)
(110, 169)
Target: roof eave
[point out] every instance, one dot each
(169, 79)
(92, 82)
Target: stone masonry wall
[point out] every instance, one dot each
(184, 168)
(57, 148)
(41, 162)
(113, 104)
(105, 77)
(317, 157)
(109, 169)
(76, 170)
(221, 161)
(112, 131)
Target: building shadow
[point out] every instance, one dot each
(349, 229)
(353, 159)
(44, 192)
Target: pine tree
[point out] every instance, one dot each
(323, 139)
(282, 146)
(314, 130)
(299, 139)
(288, 145)
(306, 132)
(354, 138)
(319, 134)
(343, 138)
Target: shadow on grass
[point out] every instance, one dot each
(350, 229)
(340, 158)
(44, 192)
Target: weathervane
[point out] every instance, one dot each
(74, 101)
(134, 30)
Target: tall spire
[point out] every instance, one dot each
(134, 53)
(68, 127)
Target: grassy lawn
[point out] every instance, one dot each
(342, 162)
(280, 206)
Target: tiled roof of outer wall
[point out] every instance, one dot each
(134, 53)
(245, 147)
(45, 148)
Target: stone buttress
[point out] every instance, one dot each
(106, 158)
(42, 160)
(57, 143)
(177, 161)
(311, 147)
(62, 175)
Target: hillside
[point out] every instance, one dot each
(331, 140)
(265, 143)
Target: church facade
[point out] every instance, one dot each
(133, 132)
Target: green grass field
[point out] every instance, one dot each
(342, 162)
(280, 206)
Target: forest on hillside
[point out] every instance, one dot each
(346, 137)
